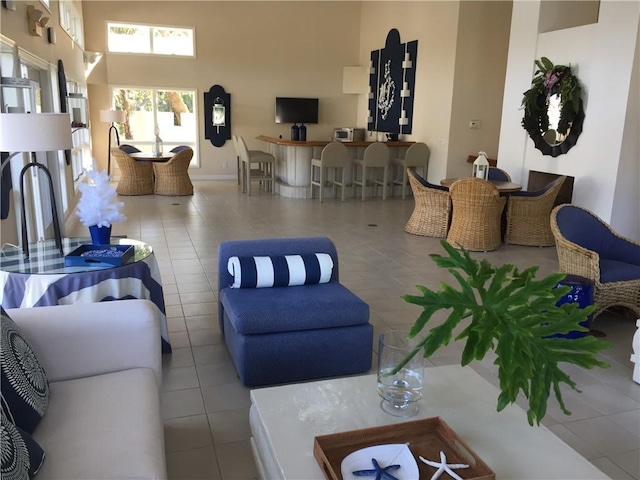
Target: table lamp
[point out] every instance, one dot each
(112, 117)
(35, 132)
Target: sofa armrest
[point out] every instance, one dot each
(81, 340)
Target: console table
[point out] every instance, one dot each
(43, 279)
(293, 161)
(285, 419)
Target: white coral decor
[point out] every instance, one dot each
(97, 205)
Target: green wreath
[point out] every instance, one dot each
(549, 80)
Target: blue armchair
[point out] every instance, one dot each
(279, 334)
(590, 248)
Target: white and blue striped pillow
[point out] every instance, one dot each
(280, 271)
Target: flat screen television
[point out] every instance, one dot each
(296, 110)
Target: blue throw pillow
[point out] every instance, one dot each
(280, 271)
(25, 387)
(22, 457)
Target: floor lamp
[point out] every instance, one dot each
(35, 132)
(112, 117)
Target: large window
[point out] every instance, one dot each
(172, 111)
(150, 39)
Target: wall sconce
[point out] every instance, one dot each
(481, 166)
(36, 21)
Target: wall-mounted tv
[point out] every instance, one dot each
(296, 110)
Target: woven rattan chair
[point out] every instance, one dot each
(136, 177)
(528, 216)
(430, 215)
(172, 177)
(590, 248)
(498, 175)
(477, 211)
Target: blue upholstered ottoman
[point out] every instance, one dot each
(280, 334)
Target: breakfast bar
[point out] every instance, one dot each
(293, 161)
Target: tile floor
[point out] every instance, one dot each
(205, 407)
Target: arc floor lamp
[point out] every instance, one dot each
(112, 117)
(35, 132)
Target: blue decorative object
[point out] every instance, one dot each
(100, 256)
(392, 83)
(378, 471)
(582, 294)
(295, 132)
(217, 116)
(100, 235)
(303, 133)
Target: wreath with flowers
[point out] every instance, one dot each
(549, 80)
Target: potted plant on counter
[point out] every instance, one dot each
(517, 316)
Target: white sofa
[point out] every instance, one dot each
(104, 365)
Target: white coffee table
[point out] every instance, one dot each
(285, 420)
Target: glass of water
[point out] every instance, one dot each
(402, 389)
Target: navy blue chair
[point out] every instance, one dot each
(179, 148)
(283, 334)
(129, 148)
(498, 175)
(590, 248)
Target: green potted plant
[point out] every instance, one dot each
(514, 314)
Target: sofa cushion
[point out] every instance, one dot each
(25, 388)
(103, 427)
(283, 309)
(280, 270)
(22, 457)
(616, 271)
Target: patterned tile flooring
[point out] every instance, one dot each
(205, 407)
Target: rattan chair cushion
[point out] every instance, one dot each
(528, 216)
(136, 177)
(497, 174)
(430, 215)
(477, 213)
(590, 248)
(172, 177)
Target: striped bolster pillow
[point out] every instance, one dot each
(280, 271)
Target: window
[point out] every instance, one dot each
(172, 111)
(71, 20)
(150, 39)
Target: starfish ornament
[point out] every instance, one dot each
(380, 472)
(443, 466)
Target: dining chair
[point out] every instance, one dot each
(265, 174)
(417, 155)
(499, 175)
(432, 209)
(477, 210)
(136, 177)
(588, 247)
(129, 148)
(528, 216)
(375, 155)
(333, 155)
(172, 177)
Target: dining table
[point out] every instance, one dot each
(151, 157)
(503, 187)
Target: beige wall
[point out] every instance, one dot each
(255, 50)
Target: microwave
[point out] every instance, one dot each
(348, 134)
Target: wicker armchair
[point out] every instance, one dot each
(172, 177)
(477, 211)
(590, 248)
(136, 177)
(528, 216)
(499, 175)
(430, 215)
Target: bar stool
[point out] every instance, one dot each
(375, 155)
(417, 156)
(265, 175)
(334, 155)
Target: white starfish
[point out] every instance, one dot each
(443, 466)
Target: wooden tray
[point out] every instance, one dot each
(426, 438)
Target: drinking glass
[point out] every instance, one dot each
(400, 391)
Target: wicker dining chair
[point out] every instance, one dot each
(498, 175)
(477, 211)
(430, 215)
(528, 216)
(136, 177)
(172, 177)
(590, 248)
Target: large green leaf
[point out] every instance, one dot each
(517, 316)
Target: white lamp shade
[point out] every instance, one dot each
(35, 132)
(110, 116)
